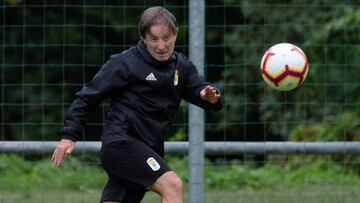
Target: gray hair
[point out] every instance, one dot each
(155, 16)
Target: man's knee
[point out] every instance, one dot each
(169, 182)
(176, 183)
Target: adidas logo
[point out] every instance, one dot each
(151, 77)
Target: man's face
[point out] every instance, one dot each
(160, 42)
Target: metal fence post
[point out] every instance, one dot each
(196, 115)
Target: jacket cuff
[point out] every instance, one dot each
(69, 134)
(69, 137)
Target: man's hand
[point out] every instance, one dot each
(63, 149)
(210, 94)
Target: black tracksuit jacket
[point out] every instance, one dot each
(145, 95)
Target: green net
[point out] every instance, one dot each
(50, 49)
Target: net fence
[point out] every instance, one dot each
(50, 49)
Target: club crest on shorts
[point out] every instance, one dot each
(154, 165)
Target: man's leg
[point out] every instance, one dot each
(114, 192)
(132, 166)
(170, 188)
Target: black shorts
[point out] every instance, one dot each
(132, 166)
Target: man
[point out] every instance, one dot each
(146, 84)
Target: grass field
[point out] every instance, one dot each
(79, 181)
(290, 194)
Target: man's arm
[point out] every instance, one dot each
(109, 78)
(199, 92)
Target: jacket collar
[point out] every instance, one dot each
(141, 46)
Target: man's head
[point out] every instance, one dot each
(158, 30)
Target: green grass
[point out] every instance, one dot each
(80, 179)
(288, 194)
(310, 193)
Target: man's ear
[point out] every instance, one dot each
(143, 39)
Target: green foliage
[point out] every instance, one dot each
(78, 174)
(21, 174)
(343, 127)
(180, 135)
(328, 34)
(235, 176)
(50, 52)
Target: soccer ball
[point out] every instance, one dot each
(284, 67)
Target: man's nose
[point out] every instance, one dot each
(161, 45)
